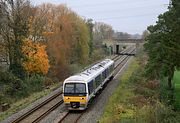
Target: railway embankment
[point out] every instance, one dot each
(140, 100)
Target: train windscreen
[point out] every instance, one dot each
(75, 89)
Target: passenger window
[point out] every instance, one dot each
(104, 74)
(111, 68)
(107, 72)
(98, 80)
(90, 87)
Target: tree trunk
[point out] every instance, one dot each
(169, 83)
(170, 78)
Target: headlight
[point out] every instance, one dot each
(67, 98)
(81, 98)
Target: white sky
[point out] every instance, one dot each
(132, 16)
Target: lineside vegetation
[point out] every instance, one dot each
(42, 45)
(139, 100)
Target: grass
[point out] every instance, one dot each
(117, 108)
(176, 80)
(26, 101)
(136, 100)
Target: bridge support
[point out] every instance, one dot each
(117, 49)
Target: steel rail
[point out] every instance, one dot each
(22, 117)
(36, 108)
(48, 111)
(119, 64)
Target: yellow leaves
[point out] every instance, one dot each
(36, 57)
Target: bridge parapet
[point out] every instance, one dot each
(117, 40)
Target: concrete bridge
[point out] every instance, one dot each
(116, 44)
(128, 40)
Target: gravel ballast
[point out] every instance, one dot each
(96, 109)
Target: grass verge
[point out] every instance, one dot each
(176, 80)
(136, 100)
(116, 108)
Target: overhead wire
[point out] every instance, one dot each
(117, 10)
(125, 17)
(109, 3)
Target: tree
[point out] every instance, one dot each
(163, 46)
(145, 34)
(67, 37)
(36, 58)
(102, 31)
(82, 46)
(123, 35)
(90, 28)
(14, 29)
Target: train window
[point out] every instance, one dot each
(104, 74)
(75, 88)
(69, 88)
(98, 80)
(90, 87)
(107, 72)
(111, 68)
(80, 88)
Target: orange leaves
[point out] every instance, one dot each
(47, 34)
(36, 57)
(30, 24)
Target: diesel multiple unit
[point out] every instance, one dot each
(79, 89)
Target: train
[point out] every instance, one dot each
(79, 89)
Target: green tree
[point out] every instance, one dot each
(145, 34)
(163, 46)
(90, 28)
(14, 29)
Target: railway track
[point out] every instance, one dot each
(40, 111)
(73, 117)
(128, 50)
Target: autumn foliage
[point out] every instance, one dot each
(36, 58)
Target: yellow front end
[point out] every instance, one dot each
(75, 102)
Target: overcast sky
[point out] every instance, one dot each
(132, 16)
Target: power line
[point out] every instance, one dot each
(125, 17)
(117, 10)
(109, 3)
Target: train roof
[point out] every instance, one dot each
(91, 72)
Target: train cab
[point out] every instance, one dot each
(75, 94)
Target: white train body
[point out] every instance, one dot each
(79, 89)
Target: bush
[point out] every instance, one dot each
(157, 113)
(48, 82)
(13, 87)
(75, 68)
(166, 95)
(10, 83)
(97, 55)
(34, 83)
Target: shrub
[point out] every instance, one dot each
(97, 55)
(10, 83)
(157, 113)
(34, 83)
(48, 82)
(75, 68)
